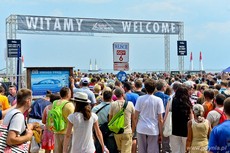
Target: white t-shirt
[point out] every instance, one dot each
(149, 107)
(214, 117)
(82, 139)
(17, 123)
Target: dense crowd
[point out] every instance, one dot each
(199, 107)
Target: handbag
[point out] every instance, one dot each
(117, 123)
(35, 147)
(4, 148)
(167, 127)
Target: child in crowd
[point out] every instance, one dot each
(48, 136)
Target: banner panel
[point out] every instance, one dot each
(93, 25)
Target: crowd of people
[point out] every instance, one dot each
(199, 106)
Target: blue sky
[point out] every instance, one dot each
(206, 29)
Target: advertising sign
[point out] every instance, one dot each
(120, 52)
(93, 25)
(13, 46)
(121, 66)
(53, 80)
(181, 48)
(121, 76)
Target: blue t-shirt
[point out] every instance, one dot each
(219, 141)
(38, 107)
(132, 97)
(165, 98)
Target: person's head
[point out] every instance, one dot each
(189, 77)
(175, 86)
(82, 104)
(138, 84)
(227, 106)
(198, 110)
(117, 83)
(161, 85)
(224, 83)
(217, 86)
(85, 81)
(24, 98)
(2, 90)
(150, 86)
(182, 93)
(119, 92)
(127, 86)
(65, 93)
(169, 91)
(107, 95)
(13, 90)
(97, 89)
(208, 94)
(220, 99)
(54, 97)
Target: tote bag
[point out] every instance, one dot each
(4, 148)
(167, 127)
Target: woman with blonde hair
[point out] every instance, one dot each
(199, 130)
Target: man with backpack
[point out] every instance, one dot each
(217, 115)
(102, 111)
(123, 140)
(59, 122)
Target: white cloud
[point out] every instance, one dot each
(57, 12)
(79, 1)
(218, 27)
(158, 7)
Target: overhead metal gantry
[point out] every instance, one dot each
(67, 25)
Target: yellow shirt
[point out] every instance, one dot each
(4, 104)
(66, 111)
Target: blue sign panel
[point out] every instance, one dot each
(14, 47)
(42, 80)
(181, 48)
(121, 76)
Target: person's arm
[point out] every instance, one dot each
(209, 129)
(99, 135)
(133, 121)
(67, 137)
(205, 108)
(191, 115)
(14, 139)
(137, 113)
(110, 112)
(160, 126)
(7, 110)
(189, 137)
(71, 79)
(44, 115)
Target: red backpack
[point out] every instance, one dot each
(223, 117)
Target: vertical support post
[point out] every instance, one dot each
(167, 52)
(18, 69)
(181, 58)
(11, 34)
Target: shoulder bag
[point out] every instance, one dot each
(4, 148)
(167, 127)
